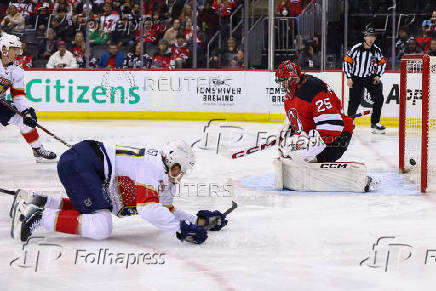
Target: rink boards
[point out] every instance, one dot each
(181, 94)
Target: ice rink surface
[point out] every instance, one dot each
(275, 240)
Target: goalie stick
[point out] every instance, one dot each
(248, 151)
(37, 125)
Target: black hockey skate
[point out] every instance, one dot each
(28, 197)
(377, 128)
(44, 156)
(27, 218)
(371, 184)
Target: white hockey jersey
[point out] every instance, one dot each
(138, 184)
(12, 78)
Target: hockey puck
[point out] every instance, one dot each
(412, 162)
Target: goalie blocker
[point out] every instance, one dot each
(331, 176)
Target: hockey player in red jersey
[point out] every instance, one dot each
(317, 135)
(101, 180)
(313, 110)
(12, 78)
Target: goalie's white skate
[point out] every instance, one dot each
(26, 219)
(44, 156)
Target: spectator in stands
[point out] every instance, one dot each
(97, 36)
(24, 7)
(181, 52)
(238, 61)
(62, 24)
(109, 18)
(112, 58)
(123, 35)
(133, 59)
(401, 43)
(171, 33)
(62, 58)
(116, 6)
(222, 57)
(188, 34)
(412, 48)
(307, 59)
(425, 39)
(126, 9)
(283, 8)
(208, 20)
(432, 49)
(44, 4)
(78, 48)
(79, 20)
(163, 59)
(149, 35)
(186, 12)
(159, 25)
(63, 4)
(14, 21)
(24, 60)
(47, 46)
(41, 16)
(433, 24)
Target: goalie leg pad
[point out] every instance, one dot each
(344, 176)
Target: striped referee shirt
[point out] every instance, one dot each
(361, 62)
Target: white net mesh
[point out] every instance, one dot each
(414, 126)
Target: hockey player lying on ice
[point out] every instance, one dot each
(100, 179)
(316, 133)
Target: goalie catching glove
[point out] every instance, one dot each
(211, 220)
(304, 147)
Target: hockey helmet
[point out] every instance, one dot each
(369, 30)
(289, 71)
(178, 152)
(8, 41)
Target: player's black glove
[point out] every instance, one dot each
(213, 221)
(191, 233)
(30, 117)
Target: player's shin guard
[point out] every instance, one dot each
(31, 137)
(66, 221)
(97, 225)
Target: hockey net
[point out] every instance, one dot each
(417, 126)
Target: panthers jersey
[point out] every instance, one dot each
(12, 78)
(136, 177)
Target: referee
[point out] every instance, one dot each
(364, 64)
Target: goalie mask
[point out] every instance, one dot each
(8, 41)
(290, 73)
(178, 152)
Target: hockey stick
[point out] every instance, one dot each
(213, 223)
(4, 103)
(248, 151)
(9, 192)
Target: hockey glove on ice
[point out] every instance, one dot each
(191, 233)
(214, 221)
(30, 117)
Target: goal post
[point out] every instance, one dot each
(417, 119)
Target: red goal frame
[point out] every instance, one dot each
(424, 118)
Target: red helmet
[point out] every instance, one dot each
(287, 70)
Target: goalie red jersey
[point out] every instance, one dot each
(315, 106)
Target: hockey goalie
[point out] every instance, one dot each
(315, 134)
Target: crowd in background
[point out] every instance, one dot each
(53, 32)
